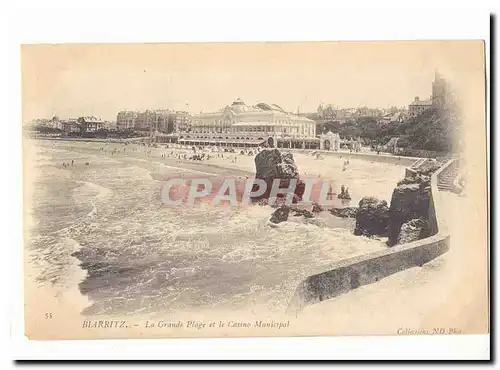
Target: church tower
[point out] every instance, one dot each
(439, 90)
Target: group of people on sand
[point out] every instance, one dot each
(202, 153)
(72, 163)
(344, 193)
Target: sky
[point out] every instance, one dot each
(72, 80)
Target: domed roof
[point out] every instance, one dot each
(277, 107)
(238, 102)
(265, 106)
(238, 106)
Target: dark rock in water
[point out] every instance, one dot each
(271, 165)
(346, 212)
(412, 230)
(262, 202)
(408, 202)
(316, 208)
(280, 215)
(303, 212)
(372, 217)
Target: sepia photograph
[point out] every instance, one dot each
(254, 189)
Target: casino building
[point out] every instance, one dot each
(242, 125)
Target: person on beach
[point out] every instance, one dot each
(72, 162)
(330, 193)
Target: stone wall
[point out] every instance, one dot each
(383, 158)
(343, 276)
(423, 153)
(362, 270)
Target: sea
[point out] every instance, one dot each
(136, 255)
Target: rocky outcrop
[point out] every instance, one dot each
(412, 230)
(271, 165)
(430, 166)
(416, 178)
(372, 217)
(407, 218)
(409, 201)
(280, 214)
(316, 208)
(283, 211)
(346, 212)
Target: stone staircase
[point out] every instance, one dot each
(447, 178)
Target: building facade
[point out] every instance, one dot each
(244, 125)
(110, 125)
(181, 122)
(368, 112)
(141, 122)
(91, 124)
(440, 91)
(125, 120)
(330, 141)
(418, 106)
(326, 113)
(156, 120)
(149, 120)
(71, 125)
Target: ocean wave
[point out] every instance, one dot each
(139, 255)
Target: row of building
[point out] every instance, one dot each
(330, 113)
(80, 124)
(150, 120)
(163, 120)
(440, 91)
(241, 124)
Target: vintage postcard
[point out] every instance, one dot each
(255, 189)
